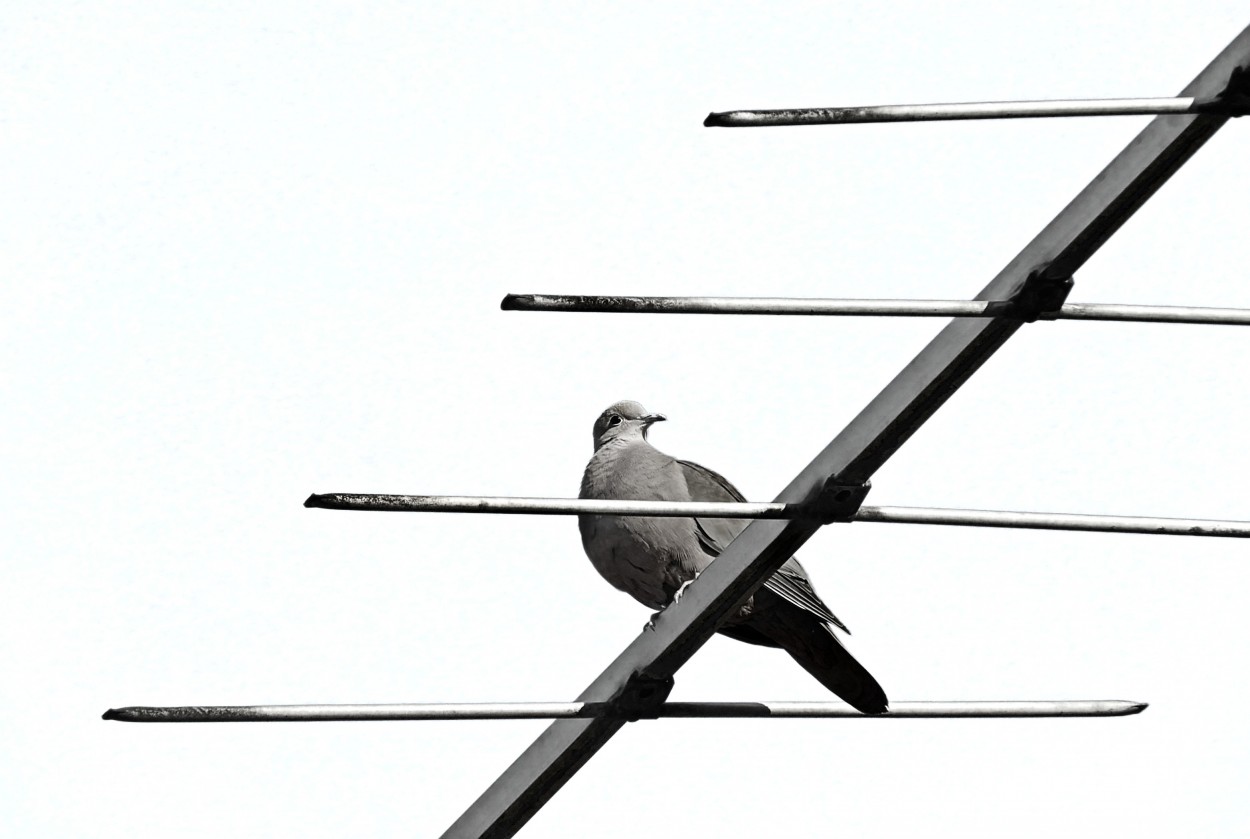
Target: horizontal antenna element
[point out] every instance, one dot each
(774, 510)
(548, 506)
(974, 110)
(863, 308)
(583, 710)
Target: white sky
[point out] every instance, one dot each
(251, 253)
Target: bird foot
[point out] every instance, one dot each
(680, 591)
(676, 597)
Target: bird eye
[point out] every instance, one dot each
(613, 421)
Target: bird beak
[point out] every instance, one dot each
(652, 418)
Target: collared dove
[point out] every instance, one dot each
(654, 558)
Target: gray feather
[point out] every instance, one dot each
(651, 558)
(790, 581)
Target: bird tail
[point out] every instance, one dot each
(822, 654)
(811, 642)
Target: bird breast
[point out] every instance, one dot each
(648, 558)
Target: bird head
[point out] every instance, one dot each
(626, 420)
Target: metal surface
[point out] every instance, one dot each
(548, 506)
(572, 710)
(899, 515)
(908, 710)
(1056, 521)
(357, 713)
(953, 111)
(861, 308)
(876, 433)
(1153, 314)
(741, 306)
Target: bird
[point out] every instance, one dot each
(654, 559)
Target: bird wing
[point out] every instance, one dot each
(790, 582)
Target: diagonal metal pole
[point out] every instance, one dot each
(863, 446)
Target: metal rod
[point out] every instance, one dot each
(1070, 239)
(1056, 521)
(741, 306)
(861, 308)
(1152, 314)
(548, 506)
(575, 710)
(954, 111)
(898, 515)
(335, 713)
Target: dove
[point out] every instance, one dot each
(653, 559)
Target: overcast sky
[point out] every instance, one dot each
(253, 251)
